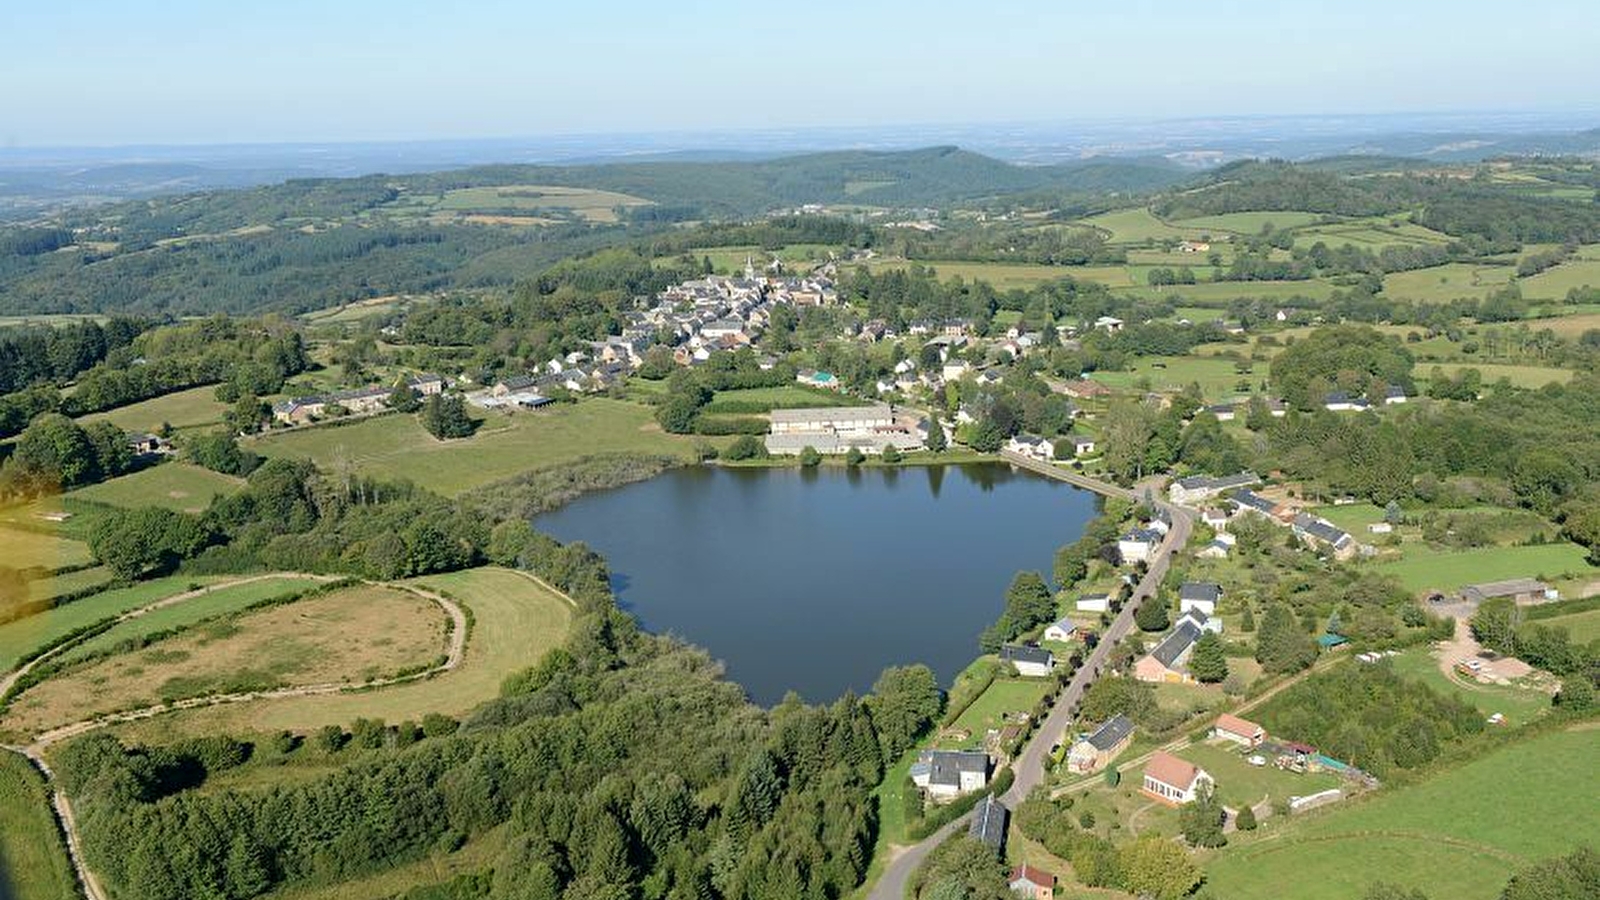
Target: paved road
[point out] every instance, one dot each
(1029, 766)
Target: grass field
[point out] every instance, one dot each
(589, 204)
(353, 635)
(24, 635)
(1369, 234)
(1553, 284)
(1447, 282)
(786, 397)
(1459, 834)
(184, 409)
(1010, 275)
(731, 260)
(1424, 569)
(181, 615)
(1352, 517)
(68, 583)
(1251, 222)
(174, 485)
(1223, 291)
(1217, 378)
(1240, 784)
(1568, 326)
(1517, 704)
(25, 548)
(1582, 627)
(1521, 376)
(396, 446)
(1136, 226)
(515, 622)
(1010, 695)
(354, 311)
(33, 859)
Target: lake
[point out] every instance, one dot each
(814, 580)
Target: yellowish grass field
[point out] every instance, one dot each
(515, 622)
(352, 635)
(26, 548)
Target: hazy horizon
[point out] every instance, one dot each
(89, 75)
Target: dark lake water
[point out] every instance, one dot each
(815, 580)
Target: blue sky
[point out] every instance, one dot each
(183, 71)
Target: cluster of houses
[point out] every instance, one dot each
(1236, 492)
(839, 429)
(1139, 544)
(1168, 661)
(1316, 532)
(577, 372)
(1048, 449)
(358, 401)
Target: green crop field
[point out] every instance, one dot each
(1251, 222)
(1517, 704)
(1136, 226)
(1553, 284)
(1460, 834)
(25, 635)
(1521, 376)
(396, 446)
(1217, 378)
(33, 859)
(181, 615)
(1451, 281)
(515, 621)
(184, 409)
(1422, 568)
(174, 485)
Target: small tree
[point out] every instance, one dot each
(1392, 513)
(1201, 819)
(891, 454)
(1246, 820)
(810, 458)
(1247, 621)
(1152, 615)
(936, 437)
(745, 446)
(854, 457)
(403, 398)
(1113, 777)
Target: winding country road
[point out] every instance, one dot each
(34, 751)
(1029, 766)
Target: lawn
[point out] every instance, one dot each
(178, 486)
(770, 398)
(33, 859)
(1138, 225)
(1519, 705)
(1252, 222)
(1422, 568)
(1217, 377)
(25, 548)
(396, 446)
(184, 409)
(515, 622)
(181, 615)
(1451, 281)
(354, 635)
(1240, 784)
(1520, 376)
(24, 635)
(1459, 834)
(1553, 284)
(1352, 517)
(1005, 695)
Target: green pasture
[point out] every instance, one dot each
(180, 486)
(1217, 377)
(1554, 283)
(1424, 568)
(1460, 834)
(1140, 225)
(1252, 222)
(1518, 704)
(183, 409)
(1451, 281)
(1520, 376)
(33, 858)
(24, 635)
